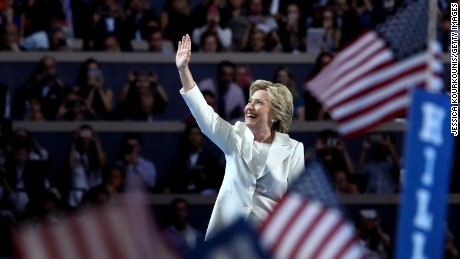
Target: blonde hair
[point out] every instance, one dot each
(281, 102)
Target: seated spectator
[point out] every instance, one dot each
(313, 108)
(140, 172)
(51, 38)
(142, 97)
(230, 97)
(381, 165)
(110, 43)
(112, 184)
(43, 85)
(256, 41)
(224, 35)
(195, 169)
(97, 95)
(75, 107)
(26, 174)
(140, 18)
(181, 235)
(234, 17)
(156, 42)
(209, 43)
(284, 76)
(371, 235)
(292, 29)
(9, 38)
(176, 20)
(86, 160)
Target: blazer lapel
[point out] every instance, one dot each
(279, 151)
(245, 145)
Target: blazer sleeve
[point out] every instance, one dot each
(297, 165)
(211, 124)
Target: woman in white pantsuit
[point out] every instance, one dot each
(261, 159)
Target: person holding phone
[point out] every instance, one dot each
(261, 159)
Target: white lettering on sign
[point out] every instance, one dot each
(432, 122)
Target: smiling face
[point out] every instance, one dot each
(258, 113)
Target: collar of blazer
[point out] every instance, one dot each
(280, 149)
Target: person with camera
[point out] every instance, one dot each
(86, 160)
(90, 80)
(75, 107)
(371, 235)
(140, 173)
(142, 97)
(381, 163)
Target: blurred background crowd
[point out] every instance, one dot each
(36, 185)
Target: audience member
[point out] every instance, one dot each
(75, 107)
(224, 35)
(292, 30)
(342, 184)
(86, 160)
(209, 43)
(176, 20)
(234, 17)
(284, 76)
(140, 172)
(195, 169)
(380, 161)
(10, 13)
(112, 184)
(142, 97)
(9, 38)
(230, 97)
(156, 42)
(371, 235)
(140, 19)
(181, 235)
(5, 99)
(92, 86)
(244, 78)
(5, 137)
(40, 14)
(313, 108)
(43, 85)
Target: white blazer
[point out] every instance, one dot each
(284, 162)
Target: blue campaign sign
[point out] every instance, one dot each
(428, 159)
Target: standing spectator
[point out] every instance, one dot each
(331, 38)
(140, 19)
(313, 108)
(234, 17)
(382, 166)
(377, 242)
(209, 43)
(230, 97)
(86, 160)
(195, 169)
(224, 35)
(26, 173)
(182, 236)
(9, 38)
(97, 95)
(142, 97)
(5, 108)
(156, 42)
(140, 172)
(176, 20)
(43, 85)
(10, 13)
(292, 29)
(284, 76)
(53, 37)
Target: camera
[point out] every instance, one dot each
(331, 142)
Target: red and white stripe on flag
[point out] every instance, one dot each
(112, 232)
(364, 86)
(300, 228)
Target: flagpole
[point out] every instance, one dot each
(431, 38)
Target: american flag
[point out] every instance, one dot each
(368, 82)
(116, 231)
(309, 222)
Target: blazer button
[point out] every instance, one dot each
(251, 188)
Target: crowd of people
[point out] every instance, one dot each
(215, 25)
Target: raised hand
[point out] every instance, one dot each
(184, 51)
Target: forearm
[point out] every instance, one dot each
(186, 79)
